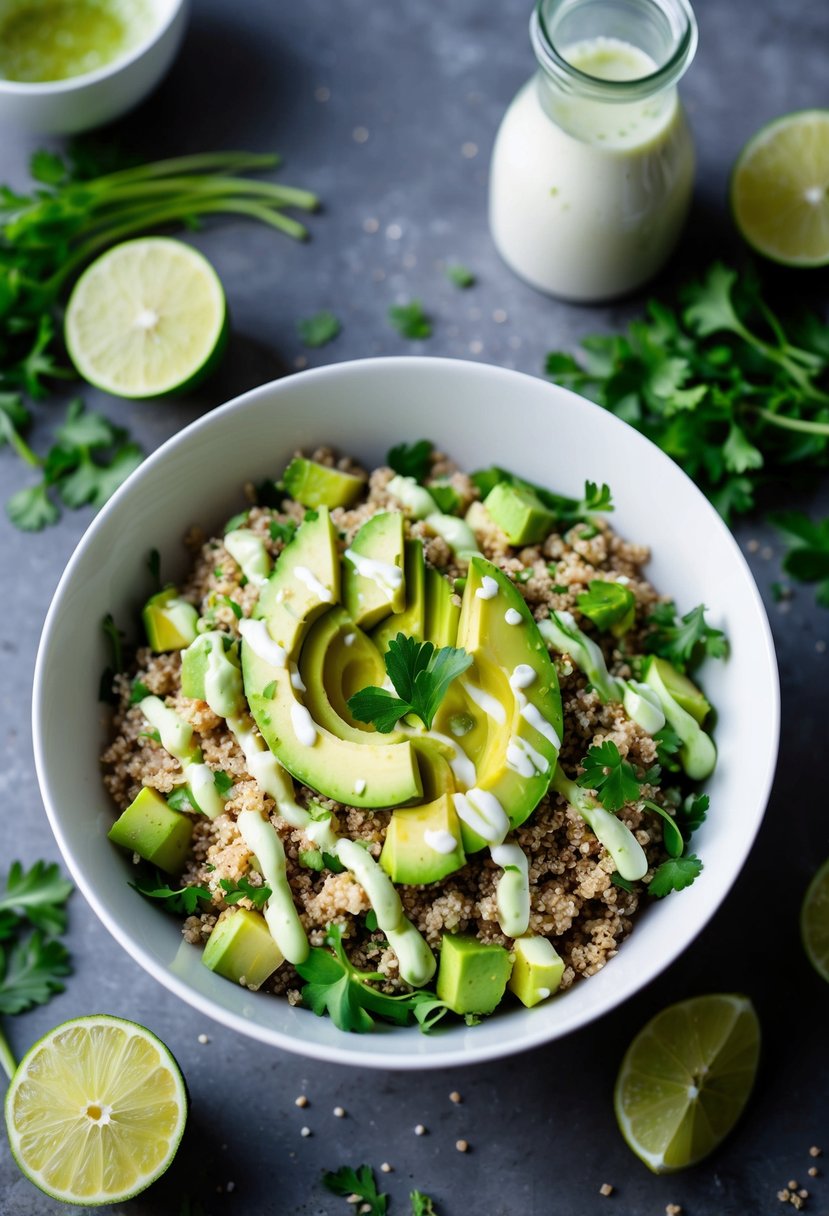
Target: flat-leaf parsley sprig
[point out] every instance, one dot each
(420, 675)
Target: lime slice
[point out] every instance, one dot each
(780, 189)
(148, 318)
(686, 1078)
(95, 1110)
(814, 921)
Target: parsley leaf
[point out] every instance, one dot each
(410, 321)
(422, 1205)
(607, 604)
(284, 532)
(613, 779)
(244, 889)
(183, 901)
(347, 1181)
(31, 972)
(320, 329)
(461, 276)
(38, 894)
(31, 509)
(420, 675)
(334, 986)
(675, 874)
(692, 814)
(138, 692)
(807, 558)
(687, 642)
(411, 459)
(223, 782)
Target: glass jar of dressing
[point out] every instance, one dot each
(593, 165)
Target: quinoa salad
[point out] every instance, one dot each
(409, 742)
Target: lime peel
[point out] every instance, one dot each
(814, 921)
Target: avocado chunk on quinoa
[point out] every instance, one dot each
(241, 948)
(320, 485)
(210, 671)
(683, 690)
(169, 621)
(153, 830)
(374, 584)
(519, 513)
(473, 975)
(423, 843)
(697, 753)
(537, 970)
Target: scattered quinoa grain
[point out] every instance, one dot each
(673, 1209)
(784, 1196)
(813, 1171)
(814, 1151)
(203, 1038)
(455, 1097)
(301, 1100)
(339, 1112)
(385, 1168)
(606, 1189)
(792, 1184)
(462, 1146)
(306, 1132)
(420, 1130)
(803, 1193)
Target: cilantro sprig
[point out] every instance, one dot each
(347, 1181)
(180, 901)
(244, 889)
(685, 642)
(675, 874)
(420, 675)
(411, 459)
(807, 558)
(320, 329)
(613, 779)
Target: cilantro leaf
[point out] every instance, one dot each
(420, 675)
(411, 459)
(334, 986)
(138, 692)
(181, 901)
(48, 167)
(675, 874)
(422, 1205)
(38, 894)
(807, 558)
(692, 813)
(320, 329)
(671, 835)
(31, 509)
(284, 532)
(668, 744)
(410, 321)
(606, 604)
(179, 799)
(31, 971)
(347, 1181)
(612, 778)
(461, 276)
(244, 889)
(223, 782)
(687, 642)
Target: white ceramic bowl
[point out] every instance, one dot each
(66, 107)
(480, 415)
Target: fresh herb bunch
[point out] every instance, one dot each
(421, 676)
(717, 382)
(33, 963)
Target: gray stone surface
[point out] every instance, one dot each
(424, 80)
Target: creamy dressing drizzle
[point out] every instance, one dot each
(488, 588)
(296, 679)
(482, 812)
(359, 786)
(413, 496)
(249, 552)
(462, 767)
(310, 580)
(349, 639)
(262, 644)
(440, 841)
(522, 677)
(383, 574)
(491, 706)
(523, 758)
(222, 679)
(304, 726)
(513, 891)
(512, 616)
(177, 738)
(281, 915)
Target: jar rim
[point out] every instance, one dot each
(573, 80)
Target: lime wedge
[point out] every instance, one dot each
(780, 189)
(95, 1110)
(686, 1078)
(147, 318)
(814, 921)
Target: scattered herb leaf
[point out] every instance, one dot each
(284, 532)
(613, 779)
(347, 1181)
(39, 895)
(420, 675)
(320, 329)
(411, 459)
(461, 276)
(410, 321)
(180, 901)
(675, 874)
(684, 643)
(244, 889)
(807, 558)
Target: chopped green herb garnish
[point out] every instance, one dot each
(347, 1181)
(623, 883)
(411, 459)
(692, 813)
(223, 782)
(235, 608)
(613, 779)
(422, 1205)
(675, 874)
(410, 321)
(284, 532)
(668, 744)
(179, 799)
(320, 329)
(371, 921)
(182, 901)
(138, 692)
(687, 642)
(807, 558)
(461, 276)
(311, 859)
(244, 889)
(309, 516)
(420, 675)
(446, 496)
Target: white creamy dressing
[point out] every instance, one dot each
(588, 197)
(462, 767)
(488, 588)
(296, 679)
(513, 890)
(310, 580)
(177, 738)
(349, 639)
(523, 758)
(440, 841)
(383, 574)
(531, 714)
(280, 912)
(412, 496)
(456, 532)
(262, 644)
(482, 812)
(249, 552)
(359, 786)
(522, 676)
(304, 726)
(222, 679)
(491, 706)
(512, 616)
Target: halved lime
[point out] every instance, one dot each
(686, 1078)
(814, 921)
(96, 1110)
(147, 318)
(780, 189)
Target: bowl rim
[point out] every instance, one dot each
(403, 1061)
(75, 84)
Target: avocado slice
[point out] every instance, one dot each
(511, 693)
(337, 660)
(305, 581)
(250, 554)
(697, 754)
(319, 485)
(374, 583)
(537, 970)
(519, 513)
(423, 843)
(412, 620)
(170, 621)
(210, 671)
(433, 758)
(441, 613)
(473, 975)
(356, 773)
(241, 948)
(683, 690)
(153, 830)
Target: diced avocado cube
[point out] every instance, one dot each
(519, 513)
(241, 948)
(537, 970)
(210, 672)
(318, 485)
(683, 690)
(423, 843)
(473, 975)
(153, 830)
(169, 620)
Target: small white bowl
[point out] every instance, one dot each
(480, 415)
(79, 103)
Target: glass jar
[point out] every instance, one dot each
(593, 164)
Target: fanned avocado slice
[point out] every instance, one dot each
(412, 620)
(423, 843)
(442, 614)
(305, 581)
(374, 583)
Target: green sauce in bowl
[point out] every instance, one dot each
(44, 40)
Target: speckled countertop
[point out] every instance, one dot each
(388, 112)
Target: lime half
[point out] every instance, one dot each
(686, 1078)
(148, 318)
(780, 189)
(814, 921)
(96, 1110)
